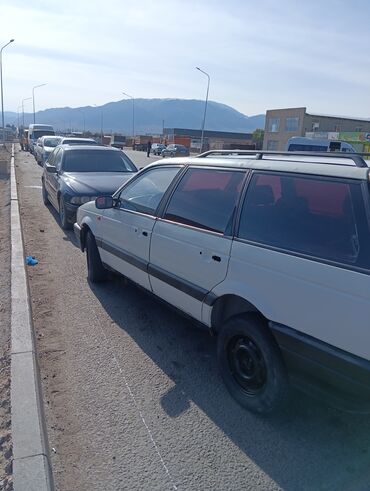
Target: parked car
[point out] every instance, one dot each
(174, 150)
(44, 146)
(76, 174)
(157, 148)
(271, 255)
(71, 140)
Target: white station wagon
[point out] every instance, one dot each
(270, 251)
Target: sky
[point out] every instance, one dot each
(260, 55)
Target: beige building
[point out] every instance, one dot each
(282, 124)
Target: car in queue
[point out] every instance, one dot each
(268, 251)
(175, 150)
(72, 140)
(157, 148)
(44, 146)
(76, 174)
(35, 131)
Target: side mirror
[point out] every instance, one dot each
(104, 202)
(51, 169)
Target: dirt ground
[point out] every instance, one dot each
(5, 417)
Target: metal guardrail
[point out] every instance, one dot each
(357, 158)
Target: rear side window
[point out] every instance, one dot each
(206, 198)
(307, 215)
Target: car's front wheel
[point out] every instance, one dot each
(95, 269)
(251, 364)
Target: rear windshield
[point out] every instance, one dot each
(51, 142)
(37, 133)
(97, 161)
(79, 142)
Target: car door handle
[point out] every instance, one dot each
(216, 258)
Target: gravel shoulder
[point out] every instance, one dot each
(5, 416)
(132, 394)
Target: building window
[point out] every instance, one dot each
(291, 124)
(273, 125)
(315, 126)
(272, 144)
(358, 128)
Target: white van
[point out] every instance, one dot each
(35, 131)
(305, 144)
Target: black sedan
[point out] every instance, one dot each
(76, 174)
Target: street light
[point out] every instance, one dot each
(1, 83)
(23, 101)
(33, 99)
(101, 123)
(133, 116)
(83, 114)
(205, 107)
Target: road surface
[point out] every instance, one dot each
(133, 398)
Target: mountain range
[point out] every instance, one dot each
(151, 115)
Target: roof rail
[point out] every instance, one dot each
(355, 157)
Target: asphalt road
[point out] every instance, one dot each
(132, 394)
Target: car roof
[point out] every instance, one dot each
(88, 148)
(77, 138)
(315, 164)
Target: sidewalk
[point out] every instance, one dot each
(6, 453)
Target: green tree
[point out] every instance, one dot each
(257, 137)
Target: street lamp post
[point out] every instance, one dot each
(101, 124)
(133, 115)
(1, 83)
(33, 100)
(205, 107)
(83, 115)
(23, 101)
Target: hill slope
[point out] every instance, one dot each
(149, 116)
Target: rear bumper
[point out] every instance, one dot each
(338, 377)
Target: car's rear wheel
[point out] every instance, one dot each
(95, 269)
(63, 215)
(251, 364)
(172, 154)
(45, 198)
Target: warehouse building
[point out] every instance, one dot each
(282, 124)
(213, 140)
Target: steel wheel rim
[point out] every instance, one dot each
(246, 364)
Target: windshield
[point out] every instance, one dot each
(97, 161)
(79, 142)
(51, 142)
(37, 133)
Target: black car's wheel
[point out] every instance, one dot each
(63, 215)
(172, 154)
(45, 198)
(95, 269)
(251, 364)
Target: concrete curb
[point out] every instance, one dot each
(31, 462)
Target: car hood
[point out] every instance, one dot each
(48, 149)
(95, 183)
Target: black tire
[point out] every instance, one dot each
(251, 365)
(172, 154)
(95, 269)
(64, 223)
(45, 198)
